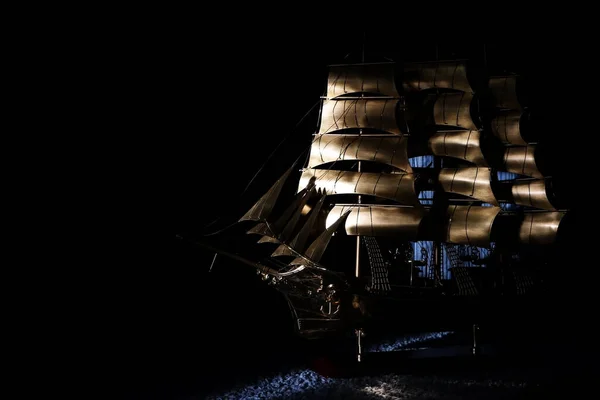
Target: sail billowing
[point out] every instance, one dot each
(472, 182)
(389, 150)
(455, 110)
(379, 114)
(375, 79)
(522, 160)
(540, 228)
(506, 92)
(507, 126)
(399, 187)
(359, 122)
(532, 193)
(436, 75)
(379, 220)
(471, 225)
(462, 144)
(520, 154)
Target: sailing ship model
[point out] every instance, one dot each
(425, 200)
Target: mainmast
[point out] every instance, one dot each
(437, 244)
(359, 200)
(359, 332)
(359, 125)
(357, 270)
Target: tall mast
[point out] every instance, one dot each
(357, 268)
(437, 245)
(357, 274)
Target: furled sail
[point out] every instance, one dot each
(399, 187)
(436, 75)
(470, 225)
(379, 220)
(464, 145)
(389, 150)
(317, 248)
(263, 207)
(472, 182)
(379, 114)
(540, 228)
(376, 79)
(455, 109)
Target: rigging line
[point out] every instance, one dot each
(261, 168)
(295, 161)
(279, 145)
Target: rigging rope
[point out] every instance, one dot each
(279, 145)
(261, 168)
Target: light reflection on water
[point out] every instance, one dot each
(404, 342)
(304, 383)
